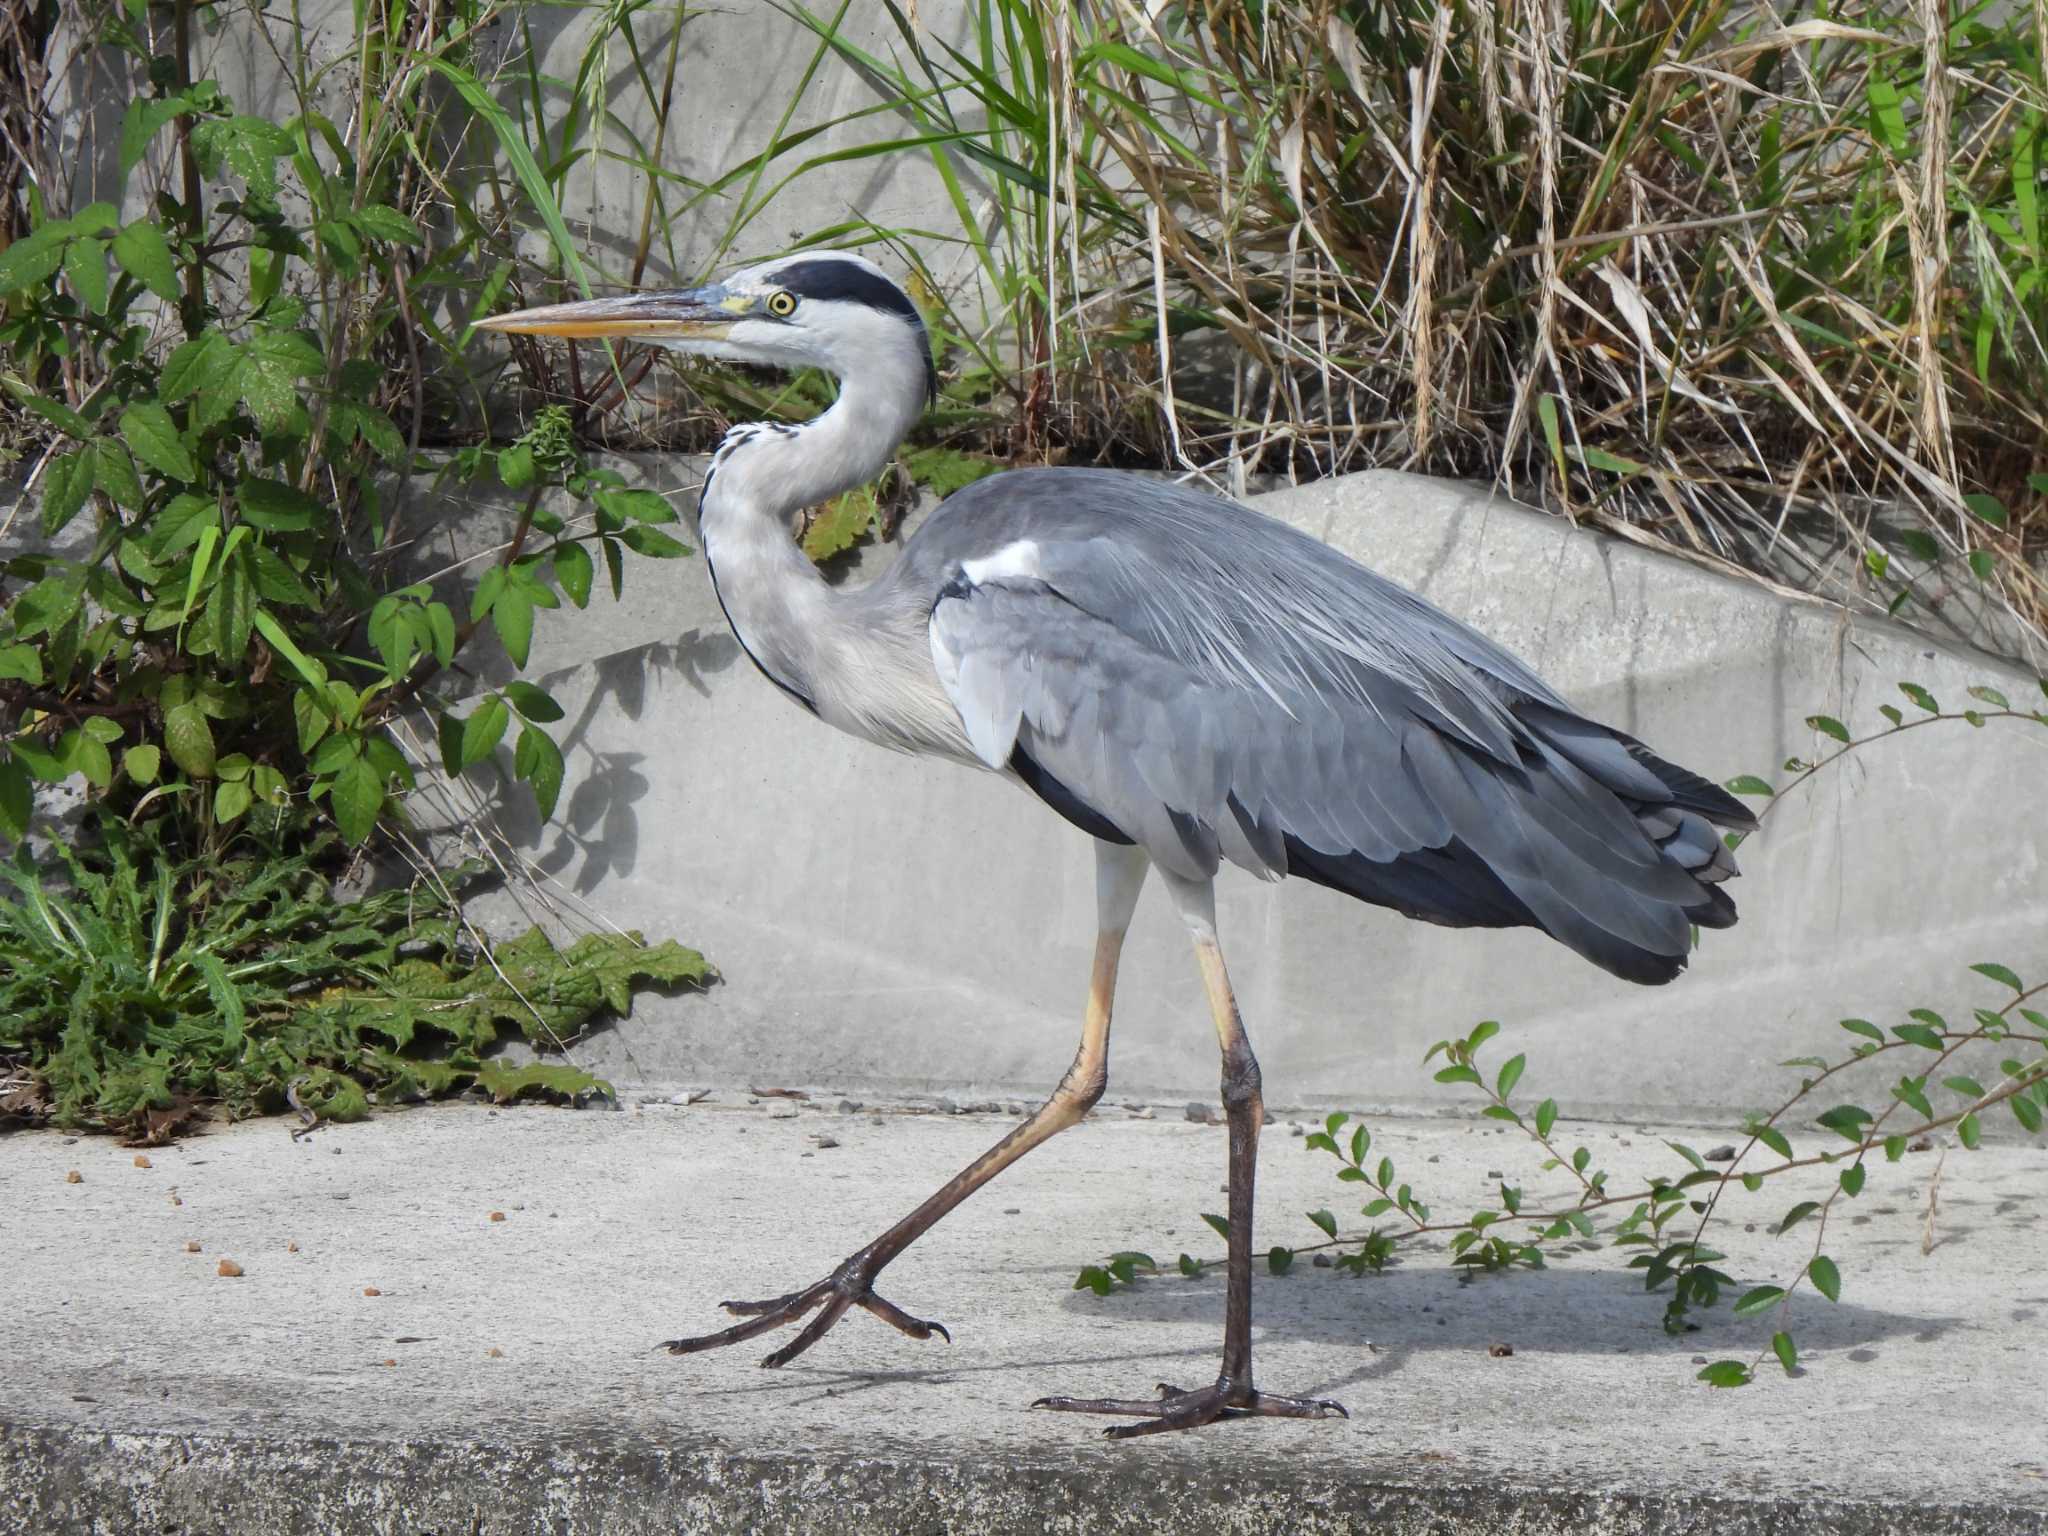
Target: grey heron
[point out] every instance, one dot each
(1188, 682)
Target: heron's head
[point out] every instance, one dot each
(817, 309)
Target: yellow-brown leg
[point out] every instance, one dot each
(1120, 876)
(1233, 1396)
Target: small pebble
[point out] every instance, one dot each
(228, 1269)
(494, 1353)
(1013, 1210)
(291, 1247)
(191, 1247)
(1200, 1113)
(825, 1142)
(1323, 1261)
(947, 1107)
(391, 1362)
(1500, 1351)
(1719, 1155)
(1297, 1129)
(1434, 1157)
(851, 1106)
(783, 1109)
(497, 1215)
(141, 1161)
(371, 1290)
(1495, 1173)
(74, 1177)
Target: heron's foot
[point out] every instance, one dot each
(1180, 1408)
(847, 1287)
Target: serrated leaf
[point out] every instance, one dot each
(144, 255)
(113, 471)
(1762, 1299)
(484, 729)
(656, 545)
(573, 571)
(505, 1083)
(276, 507)
(642, 506)
(1921, 697)
(1820, 1269)
(1725, 1373)
(189, 740)
(512, 617)
(538, 760)
(1865, 1028)
(2003, 975)
(357, 797)
(1828, 725)
(533, 703)
(1787, 1353)
(154, 438)
(1988, 695)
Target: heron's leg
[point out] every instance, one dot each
(1234, 1395)
(1119, 877)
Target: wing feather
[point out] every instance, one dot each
(1215, 686)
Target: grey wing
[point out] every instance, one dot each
(1208, 690)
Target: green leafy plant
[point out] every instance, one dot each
(138, 978)
(1665, 1224)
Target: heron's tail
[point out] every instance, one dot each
(1593, 839)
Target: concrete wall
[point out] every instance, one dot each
(886, 923)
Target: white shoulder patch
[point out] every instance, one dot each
(1013, 562)
(983, 689)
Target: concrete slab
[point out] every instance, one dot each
(501, 1378)
(943, 921)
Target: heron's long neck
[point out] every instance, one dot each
(778, 605)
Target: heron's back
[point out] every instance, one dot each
(1177, 670)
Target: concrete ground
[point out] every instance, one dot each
(393, 1358)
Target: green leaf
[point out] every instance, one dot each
(539, 761)
(189, 740)
(1773, 1138)
(276, 507)
(1219, 1223)
(656, 545)
(1787, 1353)
(154, 438)
(533, 703)
(1865, 1028)
(85, 268)
(1852, 1180)
(1968, 1087)
(1510, 1074)
(1725, 1373)
(573, 571)
(2026, 1111)
(144, 255)
(194, 364)
(113, 471)
(1988, 695)
(142, 764)
(484, 729)
(65, 487)
(17, 798)
(21, 662)
(642, 506)
(2003, 975)
(515, 466)
(31, 260)
(232, 606)
(1094, 1278)
(1820, 1269)
(1279, 1260)
(54, 411)
(1921, 697)
(1762, 1299)
(230, 799)
(1546, 1116)
(512, 617)
(1749, 784)
(1918, 1034)
(281, 642)
(1828, 725)
(388, 225)
(357, 796)
(1325, 1221)
(1968, 1131)
(1797, 1214)
(1988, 508)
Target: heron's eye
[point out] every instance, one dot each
(782, 303)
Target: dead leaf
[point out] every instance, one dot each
(778, 1093)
